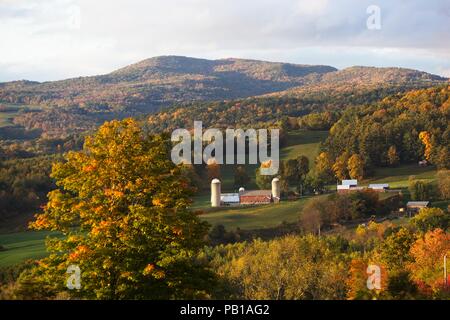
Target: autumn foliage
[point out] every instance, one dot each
(122, 206)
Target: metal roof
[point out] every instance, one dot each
(229, 197)
(255, 193)
(349, 182)
(379, 185)
(418, 203)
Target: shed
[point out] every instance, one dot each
(379, 186)
(229, 199)
(345, 189)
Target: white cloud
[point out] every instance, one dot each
(53, 39)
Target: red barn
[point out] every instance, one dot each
(256, 197)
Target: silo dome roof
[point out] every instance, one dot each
(215, 181)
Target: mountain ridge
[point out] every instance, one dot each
(162, 81)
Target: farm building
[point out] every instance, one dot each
(381, 187)
(351, 183)
(244, 197)
(348, 186)
(413, 207)
(423, 163)
(229, 199)
(256, 197)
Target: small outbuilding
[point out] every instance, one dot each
(423, 163)
(413, 207)
(350, 183)
(380, 187)
(229, 199)
(348, 186)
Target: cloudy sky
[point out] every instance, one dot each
(56, 39)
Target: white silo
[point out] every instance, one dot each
(241, 189)
(215, 193)
(276, 194)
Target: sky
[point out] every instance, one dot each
(45, 40)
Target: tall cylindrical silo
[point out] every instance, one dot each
(276, 193)
(215, 193)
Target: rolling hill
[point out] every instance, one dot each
(362, 79)
(165, 80)
(175, 89)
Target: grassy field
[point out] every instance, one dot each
(255, 217)
(7, 116)
(22, 246)
(298, 143)
(398, 177)
(303, 143)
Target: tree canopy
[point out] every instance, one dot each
(122, 206)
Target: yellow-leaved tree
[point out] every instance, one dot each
(122, 207)
(425, 137)
(355, 167)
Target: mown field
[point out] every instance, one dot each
(256, 217)
(398, 177)
(304, 143)
(21, 246)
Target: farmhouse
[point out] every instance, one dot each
(413, 207)
(244, 197)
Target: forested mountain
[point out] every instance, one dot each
(220, 92)
(165, 80)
